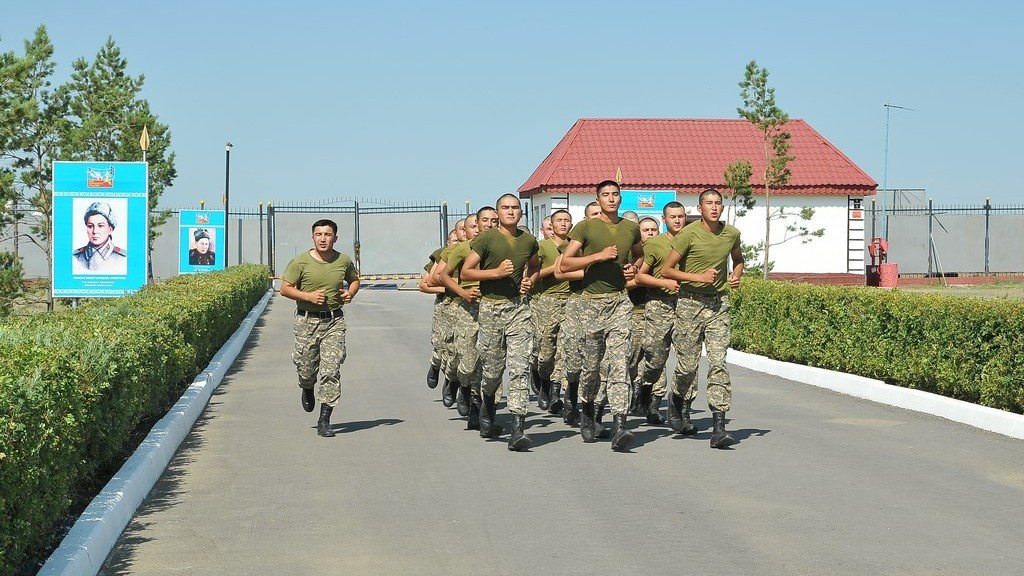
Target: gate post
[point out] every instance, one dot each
(931, 244)
(271, 239)
(988, 213)
(355, 237)
(260, 226)
(444, 223)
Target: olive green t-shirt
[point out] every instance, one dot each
(433, 259)
(443, 257)
(656, 250)
(455, 260)
(701, 250)
(309, 275)
(595, 235)
(494, 247)
(549, 285)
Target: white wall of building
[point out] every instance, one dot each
(829, 254)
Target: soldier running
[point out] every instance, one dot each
(702, 250)
(609, 248)
(547, 309)
(504, 261)
(315, 279)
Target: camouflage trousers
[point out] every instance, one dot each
(702, 320)
(606, 323)
(446, 335)
(465, 361)
(659, 320)
(548, 313)
(569, 338)
(318, 355)
(506, 340)
(436, 334)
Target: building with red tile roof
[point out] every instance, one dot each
(686, 156)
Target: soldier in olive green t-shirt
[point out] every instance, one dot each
(426, 286)
(316, 281)
(547, 311)
(701, 251)
(608, 249)
(504, 260)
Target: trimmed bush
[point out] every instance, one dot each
(75, 384)
(961, 347)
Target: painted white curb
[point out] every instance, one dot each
(90, 540)
(991, 419)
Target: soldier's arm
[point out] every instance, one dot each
(738, 266)
(571, 262)
(563, 275)
(471, 269)
(288, 290)
(350, 291)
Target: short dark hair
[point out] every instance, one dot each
(604, 183)
(480, 212)
(561, 211)
(672, 204)
(708, 192)
(326, 222)
(509, 195)
(594, 203)
(460, 221)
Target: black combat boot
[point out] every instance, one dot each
(643, 400)
(448, 392)
(488, 428)
(323, 425)
(570, 411)
(534, 381)
(473, 418)
(432, 375)
(587, 422)
(518, 441)
(679, 416)
(543, 392)
(599, 430)
(719, 437)
(623, 437)
(654, 410)
(308, 401)
(462, 400)
(556, 403)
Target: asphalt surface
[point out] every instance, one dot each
(820, 483)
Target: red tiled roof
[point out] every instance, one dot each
(688, 155)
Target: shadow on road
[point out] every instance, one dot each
(344, 427)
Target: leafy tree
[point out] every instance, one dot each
(106, 117)
(737, 178)
(760, 110)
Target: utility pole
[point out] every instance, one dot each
(885, 169)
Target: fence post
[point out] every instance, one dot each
(271, 239)
(874, 216)
(444, 223)
(355, 234)
(988, 213)
(260, 226)
(930, 244)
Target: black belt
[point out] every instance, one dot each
(322, 314)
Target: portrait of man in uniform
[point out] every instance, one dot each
(100, 255)
(201, 252)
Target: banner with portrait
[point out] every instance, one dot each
(100, 228)
(200, 236)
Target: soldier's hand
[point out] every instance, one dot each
(609, 253)
(527, 284)
(317, 297)
(472, 295)
(672, 286)
(708, 276)
(628, 271)
(346, 297)
(734, 281)
(505, 269)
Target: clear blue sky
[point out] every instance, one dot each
(429, 101)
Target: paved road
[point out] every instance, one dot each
(819, 484)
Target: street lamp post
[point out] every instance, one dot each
(227, 198)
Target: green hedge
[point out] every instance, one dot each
(966, 348)
(75, 384)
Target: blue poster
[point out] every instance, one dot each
(200, 234)
(100, 228)
(646, 203)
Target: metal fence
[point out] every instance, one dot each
(935, 240)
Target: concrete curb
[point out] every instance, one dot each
(991, 419)
(91, 539)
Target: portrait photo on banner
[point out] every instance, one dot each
(202, 246)
(99, 236)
